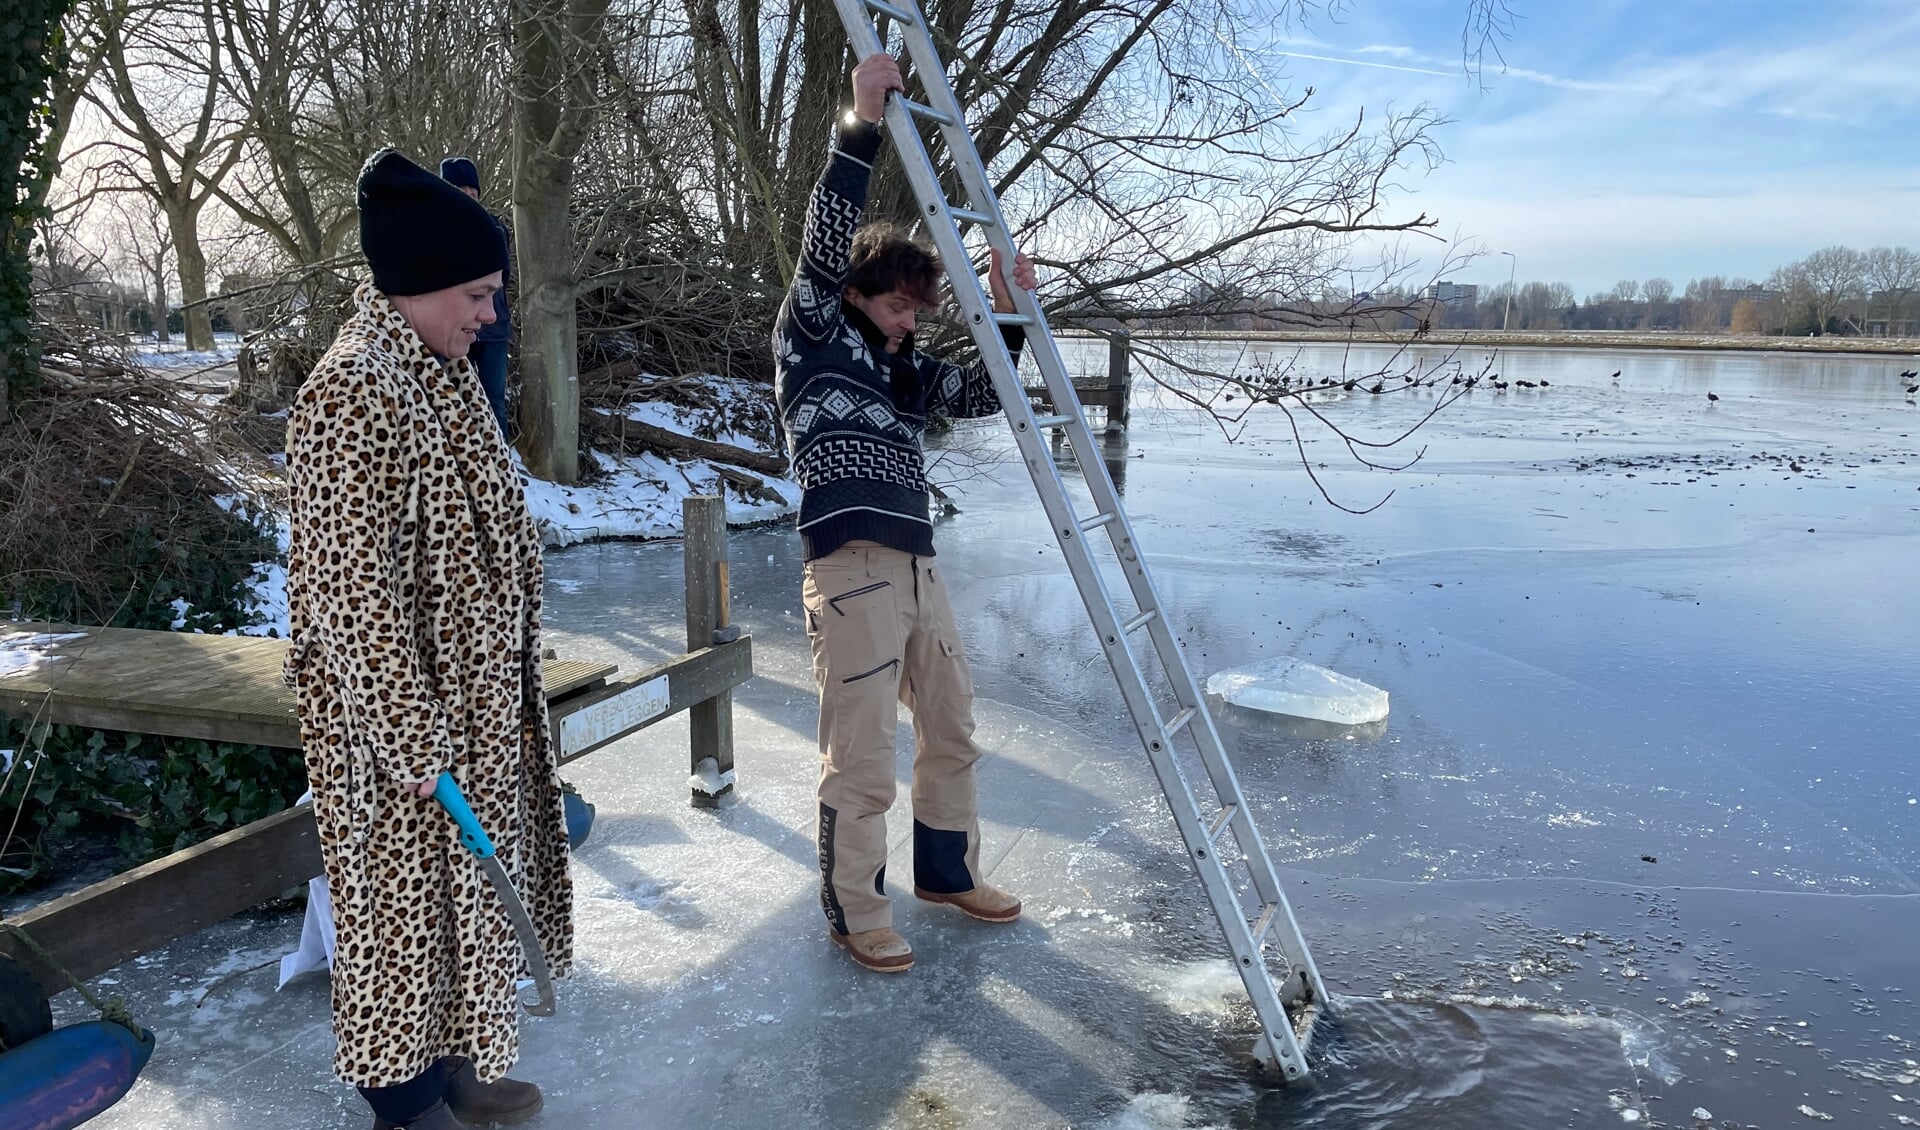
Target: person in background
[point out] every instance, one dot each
(414, 584)
(489, 350)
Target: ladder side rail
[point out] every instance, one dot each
(931, 71)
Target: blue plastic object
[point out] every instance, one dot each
(62, 1079)
(579, 819)
(448, 794)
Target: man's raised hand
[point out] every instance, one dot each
(875, 75)
(1024, 277)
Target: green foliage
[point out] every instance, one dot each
(203, 559)
(32, 53)
(157, 795)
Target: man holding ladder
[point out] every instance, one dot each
(855, 397)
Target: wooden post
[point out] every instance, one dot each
(704, 518)
(1119, 377)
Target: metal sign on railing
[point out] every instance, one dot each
(603, 721)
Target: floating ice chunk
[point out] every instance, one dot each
(1298, 689)
(1820, 1116)
(1152, 1112)
(1702, 1114)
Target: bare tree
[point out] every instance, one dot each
(1826, 285)
(161, 86)
(1892, 275)
(148, 249)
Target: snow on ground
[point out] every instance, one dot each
(635, 497)
(640, 497)
(150, 354)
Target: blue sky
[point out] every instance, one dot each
(1628, 139)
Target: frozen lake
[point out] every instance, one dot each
(1638, 839)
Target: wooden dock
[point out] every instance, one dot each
(217, 688)
(229, 689)
(1113, 393)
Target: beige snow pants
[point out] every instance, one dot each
(883, 635)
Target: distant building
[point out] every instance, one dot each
(1758, 295)
(1454, 294)
(1879, 322)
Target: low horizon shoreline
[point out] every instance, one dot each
(1550, 339)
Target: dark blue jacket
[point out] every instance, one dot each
(502, 327)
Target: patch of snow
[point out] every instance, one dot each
(271, 616)
(1291, 686)
(686, 421)
(149, 354)
(639, 496)
(708, 778)
(21, 652)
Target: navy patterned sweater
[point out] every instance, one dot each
(854, 414)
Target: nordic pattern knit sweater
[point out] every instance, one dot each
(854, 414)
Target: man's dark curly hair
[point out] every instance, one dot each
(884, 258)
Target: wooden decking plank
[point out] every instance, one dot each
(217, 688)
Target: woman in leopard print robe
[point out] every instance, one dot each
(414, 578)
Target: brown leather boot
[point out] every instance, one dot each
(882, 950)
(987, 903)
(501, 1102)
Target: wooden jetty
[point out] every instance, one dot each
(1111, 394)
(229, 689)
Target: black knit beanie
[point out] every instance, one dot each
(421, 234)
(460, 173)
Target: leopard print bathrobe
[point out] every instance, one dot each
(414, 583)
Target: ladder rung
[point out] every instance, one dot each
(1096, 522)
(1052, 421)
(1180, 721)
(1264, 924)
(1012, 319)
(1139, 622)
(1219, 824)
(922, 110)
(969, 216)
(897, 15)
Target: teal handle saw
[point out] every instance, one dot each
(474, 838)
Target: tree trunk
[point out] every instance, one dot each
(158, 274)
(633, 436)
(548, 328)
(196, 319)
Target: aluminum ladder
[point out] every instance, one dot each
(1286, 1006)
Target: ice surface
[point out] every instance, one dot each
(1291, 686)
